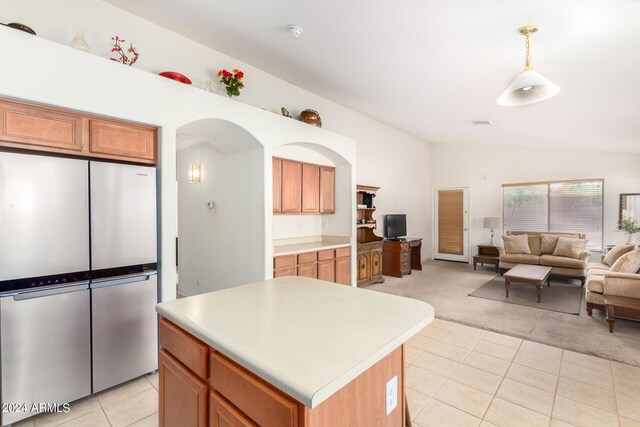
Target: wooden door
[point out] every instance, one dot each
(376, 262)
(224, 414)
(277, 185)
(327, 190)
(342, 270)
(310, 188)
(183, 396)
(308, 270)
(291, 186)
(326, 270)
(122, 141)
(452, 224)
(364, 266)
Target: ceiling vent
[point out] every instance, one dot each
(482, 122)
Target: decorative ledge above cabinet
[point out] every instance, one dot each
(40, 128)
(302, 188)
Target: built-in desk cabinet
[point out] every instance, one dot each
(332, 265)
(40, 128)
(302, 188)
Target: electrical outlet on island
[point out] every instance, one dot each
(392, 394)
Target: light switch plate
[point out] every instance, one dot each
(392, 394)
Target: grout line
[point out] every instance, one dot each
(555, 391)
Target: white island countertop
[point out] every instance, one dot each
(307, 337)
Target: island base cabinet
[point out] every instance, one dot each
(223, 414)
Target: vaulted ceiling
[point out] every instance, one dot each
(431, 67)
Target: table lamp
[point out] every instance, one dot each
(491, 222)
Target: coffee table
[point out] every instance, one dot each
(534, 275)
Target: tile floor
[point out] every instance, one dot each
(456, 375)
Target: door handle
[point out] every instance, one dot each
(74, 287)
(121, 281)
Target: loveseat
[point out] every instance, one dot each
(541, 248)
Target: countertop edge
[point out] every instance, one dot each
(320, 247)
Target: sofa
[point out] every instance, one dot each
(541, 252)
(616, 279)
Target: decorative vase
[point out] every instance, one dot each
(80, 43)
(208, 86)
(632, 239)
(311, 117)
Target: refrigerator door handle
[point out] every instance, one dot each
(74, 287)
(122, 280)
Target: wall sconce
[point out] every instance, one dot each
(195, 173)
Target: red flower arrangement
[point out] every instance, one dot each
(124, 58)
(232, 81)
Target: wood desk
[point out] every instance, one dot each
(399, 257)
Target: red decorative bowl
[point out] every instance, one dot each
(176, 76)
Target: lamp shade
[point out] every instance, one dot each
(528, 87)
(491, 222)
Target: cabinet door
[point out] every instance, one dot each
(310, 188)
(122, 141)
(183, 396)
(48, 129)
(326, 270)
(277, 185)
(224, 414)
(308, 270)
(376, 262)
(343, 269)
(364, 269)
(282, 272)
(327, 190)
(291, 186)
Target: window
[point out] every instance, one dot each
(563, 206)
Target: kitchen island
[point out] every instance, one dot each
(291, 351)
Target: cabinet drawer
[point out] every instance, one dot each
(343, 252)
(326, 254)
(282, 272)
(187, 349)
(224, 414)
(307, 258)
(257, 399)
(284, 261)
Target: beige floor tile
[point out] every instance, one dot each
(477, 378)
(427, 383)
(487, 424)
(469, 330)
(496, 350)
(541, 349)
(460, 340)
(586, 361)
(410, 354)
(432, 332)
(443, 324)
(506, 414)
(486, 363)
(154, 379)
(581, 415)
(532, 377)
(627, 422)
(438, 414)
(537, 361)
(150, 421)
(625, 371)
(25, 423)
(416, 401)
(436, 364)
(132, 409)
(123, 391)
(448, 351)
(629, 406)
(465, 398)
(77, 409)
(96, 418)
(558, 423)
(502, 339)
(589, 394)
(627, 386)
(421, 342)
(527, 396)
(587, 376)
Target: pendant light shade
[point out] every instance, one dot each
(528, 87)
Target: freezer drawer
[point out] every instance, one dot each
(44, 216)
(125, 330)
(123, 215)
(45, 346)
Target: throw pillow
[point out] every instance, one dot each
(616, 252)
(535, 244)
(569, 247)
(516, 244)
(627, 263)
(549, 242)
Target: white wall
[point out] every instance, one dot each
(224, 246)
(485, 168)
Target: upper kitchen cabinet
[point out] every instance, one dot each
(122, 141)
(34, 127)
(302, 188)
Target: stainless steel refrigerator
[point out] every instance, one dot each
(78, 283)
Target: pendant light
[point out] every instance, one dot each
(528, 87)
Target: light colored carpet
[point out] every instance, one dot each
(564, 295)
(446, 285)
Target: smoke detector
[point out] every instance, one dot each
(482, 122)
(294, 30)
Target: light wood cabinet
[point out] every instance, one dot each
(277, 185)
(332, 265)
(327, 190)
(122, 141)
(310, 188)
(291, 186)
(327, 270)
(283, 272)
(343, 270)
(224, 414)
(308, 270)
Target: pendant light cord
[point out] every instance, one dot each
(527, 61)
